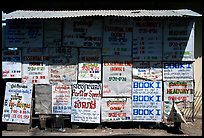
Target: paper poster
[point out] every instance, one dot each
(43, 99)
(178, 40)
(52, 33)
(116, 109)
(147, 101)
(86, 102)
(149, 71)
(35, 65)
(11, 64)
(178, 91)
(24, 33)
(172, 113)
(89, 64)
(117, 36)
(177, 71)
(83, 32)
(147, 40)
(63, 65)
(117, 76)
(17, 103)
(61, 99)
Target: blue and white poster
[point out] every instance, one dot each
(177, 71)
(147, 101)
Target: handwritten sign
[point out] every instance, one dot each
(147, 40)
(117, 76)
(178, 40)
(147, 101)
(63, 65)
(86, 100)
(61, 99)
(89, 64)
(151, 71)
(117, 36)
(24, 33)
(35, 65)
(116, 109)
(52, 33)
(17, 103)
(82, 32)
(11, 64)
(177, 71)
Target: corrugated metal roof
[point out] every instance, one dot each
(29, 14)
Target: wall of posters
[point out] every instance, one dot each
(35, 65)
(147, 40)
(52, 33)
(11, 64)
(116, 109)
(43, 99)
(17, 103)
(24, 33)
(178, 40)
(150, 71)
(86, 101)
(177, 71)
(63, 64)
(147, 101)
(117, 76)
(89, 64)
(117, 36)
(61, 99)
(83, 32)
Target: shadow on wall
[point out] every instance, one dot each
(198, 38)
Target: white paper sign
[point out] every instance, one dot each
(11, 64)
(178, 40)
(24, 33)
(177, 71)
(147, 101)
(86, 101)
(117, 76)
(147, 71)
(147, 40)
(17, 103)
(35, 65)
(89, 64)
(117, 36)
(82, 32)
(116, 109)
(63, 65)
(61, 99)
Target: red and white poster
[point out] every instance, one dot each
(116, 109)
(86, 102)
(35, 65)
(89, 64)
(61, 99)
(117, 76)
(17, 103)
(117, 36)
(83, 32)
(11, 64)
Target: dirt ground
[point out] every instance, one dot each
(189, 129)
